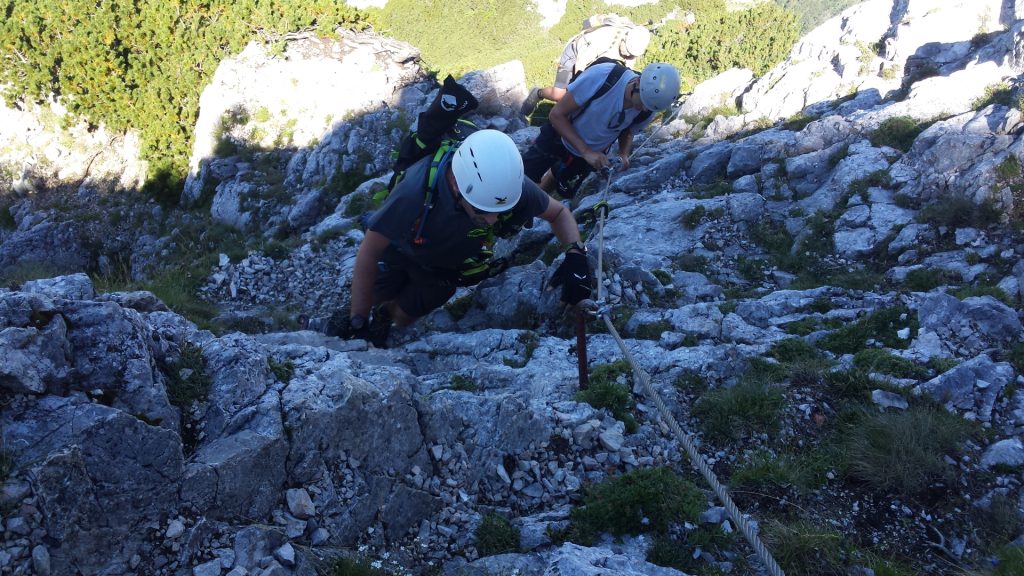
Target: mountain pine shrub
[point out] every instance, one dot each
(898, 132)
(496, 535)
(142, 64)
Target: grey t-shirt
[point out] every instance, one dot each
(605, 118)
(448, 236)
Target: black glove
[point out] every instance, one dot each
(574, 277)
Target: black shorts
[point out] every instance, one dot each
(417, 291)
(548, 152)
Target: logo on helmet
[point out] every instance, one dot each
(501, 200)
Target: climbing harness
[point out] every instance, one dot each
(600, 308)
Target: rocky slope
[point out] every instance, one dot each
(737, 247)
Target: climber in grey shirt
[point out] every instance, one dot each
(607, 102)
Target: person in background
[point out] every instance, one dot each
(608, 103)
(605, 38)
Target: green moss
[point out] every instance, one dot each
(850, 385)
(691, 382)
(712, 190)
(999, 522)
(836, 157)
(679, 551)
(940, 365)
(751, 269)
(359, 204)
(177, 289)
(1015, 356)
(877, 179)
(810, 324)
(276, 250)
(496, 535)
(644, 501)
(551, 251)
(1009, 168)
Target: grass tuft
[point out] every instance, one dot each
(899, 133)
(880, 326)
(876, 360)
(354, 567)
(902, 452)
(606, 392)
(804, 549)
(958, 211)
(748, 407)
(639, 502)
(188, 379)
(283, 371)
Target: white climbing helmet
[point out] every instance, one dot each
(635, 43)
(489, 171)
(659, 86)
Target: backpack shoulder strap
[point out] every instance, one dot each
(613, 77)
(640, 118)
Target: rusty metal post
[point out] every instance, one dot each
(581, 346)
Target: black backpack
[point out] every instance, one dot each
(438, 125)
(439, 132)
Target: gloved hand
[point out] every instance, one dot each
(573, 275)
(342, 326)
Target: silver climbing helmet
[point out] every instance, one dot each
(489, 171)
(659, 86)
